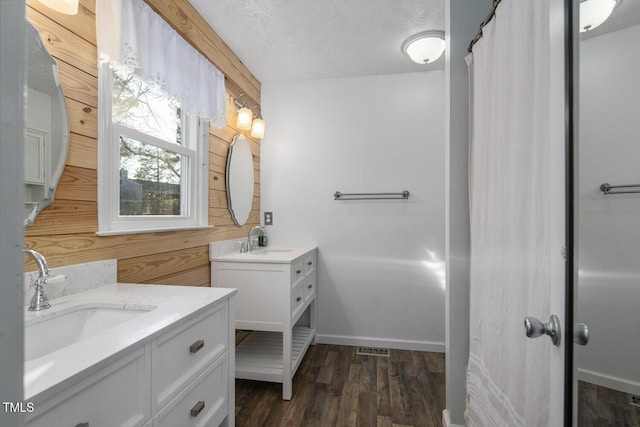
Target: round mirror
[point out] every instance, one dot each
(46, 141)
(240, 179)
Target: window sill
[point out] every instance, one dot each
(152, 230)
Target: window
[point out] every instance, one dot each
(153, 159)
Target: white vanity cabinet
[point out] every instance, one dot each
(275, 287)
(177, 376)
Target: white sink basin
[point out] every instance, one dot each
(53, 330)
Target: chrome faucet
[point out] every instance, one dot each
(250, 244)
(39, 301)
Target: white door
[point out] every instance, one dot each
(562, 266)
(518, 205)
(561, 261)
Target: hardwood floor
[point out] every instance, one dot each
(603, 407)
(336, 387)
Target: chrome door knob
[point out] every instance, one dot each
(581, 334)
(534, 328)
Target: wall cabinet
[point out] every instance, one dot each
(179, 378)
(275, 288)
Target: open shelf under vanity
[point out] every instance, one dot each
(259, 355)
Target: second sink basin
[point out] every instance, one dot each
(51, 331)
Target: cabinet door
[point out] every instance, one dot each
(264, 290)
(118, 395)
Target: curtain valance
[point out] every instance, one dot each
(131, 35)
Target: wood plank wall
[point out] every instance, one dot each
(65, 231)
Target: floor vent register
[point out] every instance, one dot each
(373, 351)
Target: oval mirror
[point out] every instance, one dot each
(240, 179)
(46, 141)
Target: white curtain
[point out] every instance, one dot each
(131, 35)
(508, 376)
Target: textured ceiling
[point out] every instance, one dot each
(308, 39)
(304, 39)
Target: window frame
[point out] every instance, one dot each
(194, 180)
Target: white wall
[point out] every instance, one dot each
(381, 263)
(609, 238)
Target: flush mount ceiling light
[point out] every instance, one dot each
(68, 7)
(424, 47)
(594, 12)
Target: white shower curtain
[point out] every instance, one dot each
(508, 376)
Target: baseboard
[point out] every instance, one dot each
(446, 420)
(608, 381)
(377, 342)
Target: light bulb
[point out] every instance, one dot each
(257, 128)
(244, 118)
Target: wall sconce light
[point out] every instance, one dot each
(245, 116)
(68, 7)
(424, 47)
(257, 127)
(246, 120)
(594, 12)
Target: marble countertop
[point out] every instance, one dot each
(172, 305)
(268, 254)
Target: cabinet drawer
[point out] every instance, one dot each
(301, 297)
(310, 263)
(297, 301)
(203, 403)
(118, 395)
(297, 272)
(309, 289)
(180, 355)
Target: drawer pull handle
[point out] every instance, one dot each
(82, 425)
(196, 346)
(298, 271)
(310, 263)
(298, 299)
(197, 408)
(310, 286)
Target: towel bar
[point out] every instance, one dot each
(606, 188)
(371, 196)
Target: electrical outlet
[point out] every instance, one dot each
(268, 218)
(634, 400)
